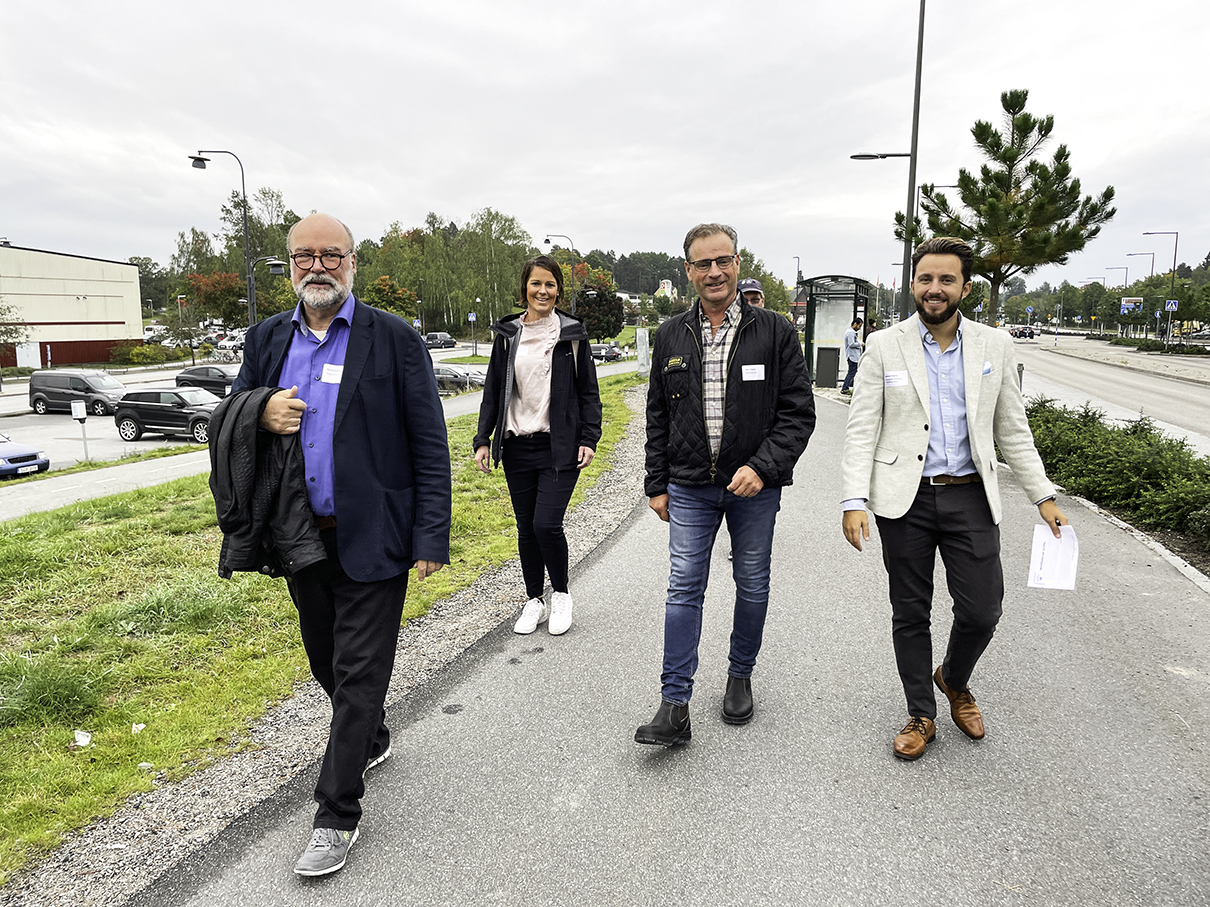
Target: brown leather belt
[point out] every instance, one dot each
(325, 522)
(951, 480)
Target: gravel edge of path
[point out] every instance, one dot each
(113, 859)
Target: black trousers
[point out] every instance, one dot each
(349, 630)
(540, 495)
(957, 520)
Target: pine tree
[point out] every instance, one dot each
(1020, 212)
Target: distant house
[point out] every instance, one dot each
(76, 308)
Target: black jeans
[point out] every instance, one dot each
(540, 495)
(956, 519)
(848, 378)
(350, 631)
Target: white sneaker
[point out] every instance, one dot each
(560, 613)
(535, 612)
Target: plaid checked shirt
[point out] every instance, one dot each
(716, 347)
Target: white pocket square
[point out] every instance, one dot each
(987, 367)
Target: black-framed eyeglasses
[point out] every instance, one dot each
(703, 264)
(330, 260)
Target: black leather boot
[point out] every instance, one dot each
(669, 727)
(737, 701)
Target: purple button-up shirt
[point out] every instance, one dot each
(315, 366)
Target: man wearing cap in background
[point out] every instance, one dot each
(753, 294)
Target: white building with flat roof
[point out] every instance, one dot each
(76, 308)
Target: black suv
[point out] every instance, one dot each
(166, 411)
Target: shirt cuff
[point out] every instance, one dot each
(1049, 497)
(853, 504)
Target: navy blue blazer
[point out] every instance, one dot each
(389, 444)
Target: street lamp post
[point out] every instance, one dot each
(1125, 277)
(1176, 241)
(1152, 254)
(905, 308)
(199, 162)
(572, 245)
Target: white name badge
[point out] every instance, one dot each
(331, 373)
(895, 379)
(753, 372)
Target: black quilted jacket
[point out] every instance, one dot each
(260, 491)
(767, 419)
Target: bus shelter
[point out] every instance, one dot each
(823, 308)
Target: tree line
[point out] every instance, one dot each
(438, 272)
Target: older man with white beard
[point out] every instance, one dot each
(357, 387)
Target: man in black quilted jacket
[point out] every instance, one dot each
(729, 412)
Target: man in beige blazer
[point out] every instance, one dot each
(934, 396)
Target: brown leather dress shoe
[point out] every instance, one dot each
(962, 707)
(915, 736)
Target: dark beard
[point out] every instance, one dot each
(946, 314)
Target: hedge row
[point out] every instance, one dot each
(1160, 483)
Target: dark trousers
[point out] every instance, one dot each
(956, 519)
(540, 495)
(848, 379)
(350, 631)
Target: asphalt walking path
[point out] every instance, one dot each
(515, 779)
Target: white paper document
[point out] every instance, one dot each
(1054, 560)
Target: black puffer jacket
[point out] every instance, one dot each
(260, 491)
(769, 412)
(575, 402)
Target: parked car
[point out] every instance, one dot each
(473, 378)
(439, 340)
(166, 411)
(52, 390)
(17, 459)
(233, 341)
(451, 379)
(215, 378)
(603, 352)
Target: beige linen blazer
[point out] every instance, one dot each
(887, 435)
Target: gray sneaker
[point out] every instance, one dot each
(327, 852)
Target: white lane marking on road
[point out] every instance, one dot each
(1190, 673)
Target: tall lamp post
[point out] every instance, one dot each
(572, 245)
(905, 309)
(199, 162)
(1177, 238)
(1152, 254)
(1125, 276)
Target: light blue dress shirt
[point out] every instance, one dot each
(949, 451)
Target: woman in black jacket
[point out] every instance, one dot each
(540, 400)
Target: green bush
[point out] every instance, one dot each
(148, 354)
(120, 353)
(1192, 349)
(1158, 481)
(1151, 346)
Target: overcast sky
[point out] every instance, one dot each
(618, 123)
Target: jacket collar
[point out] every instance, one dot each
(571, 328)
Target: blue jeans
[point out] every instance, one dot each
(695, 513)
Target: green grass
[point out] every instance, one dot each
(467, 360)
(113, 615)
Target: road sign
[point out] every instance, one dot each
(979, 307)
(416, 322)
(1170, 305)
(1029, 309)
(470, 316)
(1157, 313)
